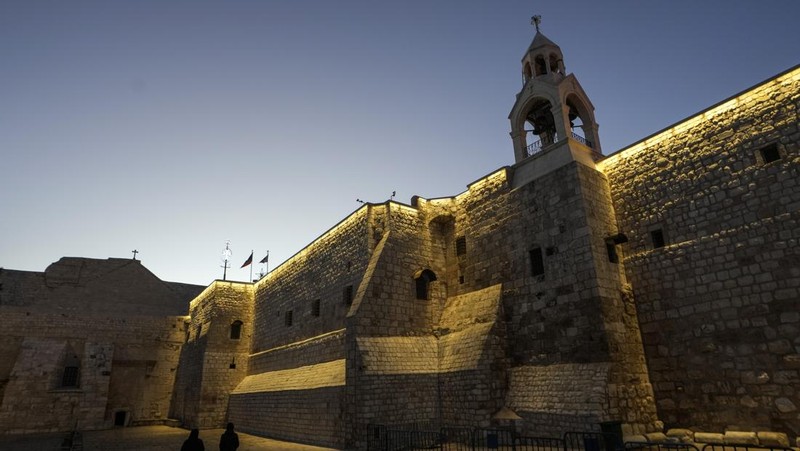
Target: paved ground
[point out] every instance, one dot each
(145, 438)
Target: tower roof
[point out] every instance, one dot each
(540, 40)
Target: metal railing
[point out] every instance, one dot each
(743, 447)
(546, 140)
(382, 438)
(582, 140)
(651, 446)
(591, 441)
(654, 446)
(537, 146)
(538, 444)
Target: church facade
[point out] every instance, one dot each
(656, 286)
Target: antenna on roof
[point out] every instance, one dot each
(226, 257)
(394, 193)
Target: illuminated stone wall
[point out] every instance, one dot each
(212, 362)
(312, 285)
(122, 326)
(718, 304)
(579, 311)
(321, 271)
(126, 365)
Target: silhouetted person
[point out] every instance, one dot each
(229, 440)
(193, 443)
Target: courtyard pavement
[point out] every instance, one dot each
(146, 438)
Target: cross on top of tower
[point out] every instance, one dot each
(535, 21)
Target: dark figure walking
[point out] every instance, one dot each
(229, 440)
(193, 443)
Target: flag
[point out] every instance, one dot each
(265, 259)
(249, 260)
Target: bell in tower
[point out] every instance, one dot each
(552, 108)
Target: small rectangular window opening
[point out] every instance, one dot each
(658, 238)
(770, 153)
(70, 378)
(421, 285)
(315, 304)
(287, 319)
(461, 245)
(236, 330)
(611, 248)
(537, 262)
(347, 295)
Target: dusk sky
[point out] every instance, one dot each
(171, 127)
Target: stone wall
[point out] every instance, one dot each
(579, 309)
(322, 271)
(114, 287)
(472, 358)
(556, 398)
(304, 416)
(299, 314)
(718, 302)
(214, 360)
(393, 354)
(125, 365)
(289, 400)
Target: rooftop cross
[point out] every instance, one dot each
(535, 21)
(134, 253)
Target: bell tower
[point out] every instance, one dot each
(552, 107)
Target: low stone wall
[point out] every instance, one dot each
(306, 416)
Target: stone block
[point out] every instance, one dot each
(709, 437)
(741, 437)
(767, 438)
(656, 437)
(682, 435)
(634, 438)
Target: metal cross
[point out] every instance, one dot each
(535, 21)
(134, 253)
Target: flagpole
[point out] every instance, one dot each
(263, 261)
(251, 266)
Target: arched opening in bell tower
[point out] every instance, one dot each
(540, 66)
(526, 72)
(554, 64)
(580, 121)
(542, 126)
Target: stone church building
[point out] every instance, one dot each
(655, 286)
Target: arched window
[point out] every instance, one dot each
(236, 330)
(423, 281)
(526, 71)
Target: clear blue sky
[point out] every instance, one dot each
(173, 126)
